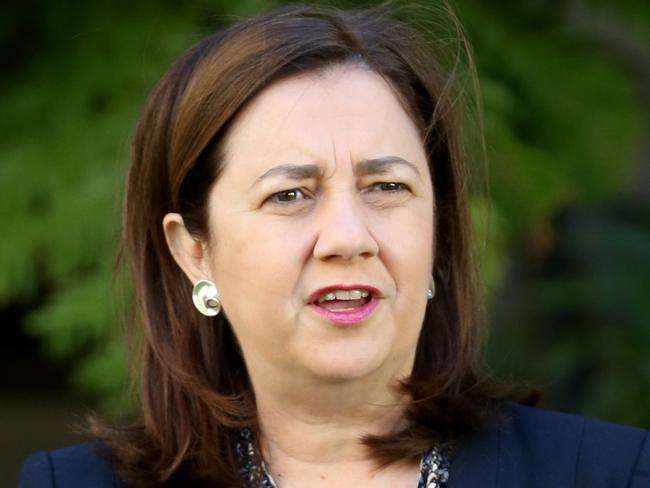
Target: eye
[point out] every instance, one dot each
(287, 196)
(386, 193)
(388, 187)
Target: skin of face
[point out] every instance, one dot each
(293, 211)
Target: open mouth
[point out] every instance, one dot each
(344, 305)
(344, 300)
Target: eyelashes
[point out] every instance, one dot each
(287, 196)
(389, 187)
(377, 190)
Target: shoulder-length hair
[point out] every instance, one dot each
(195, 393)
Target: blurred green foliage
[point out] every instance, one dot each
(566, 261)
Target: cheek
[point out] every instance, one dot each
(406, 237)
(257, 259)
(407, 252)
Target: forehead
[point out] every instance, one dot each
(345, 113)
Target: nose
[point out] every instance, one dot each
(343, 230)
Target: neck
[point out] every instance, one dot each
(317, 441)
(312, 427)
(312, 433)
(325, 430)
(316, 420)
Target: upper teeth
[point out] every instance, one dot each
(344, 295)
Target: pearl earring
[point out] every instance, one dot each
(431, 292)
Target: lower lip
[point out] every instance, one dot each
(348, 318)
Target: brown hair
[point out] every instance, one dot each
(195, 392)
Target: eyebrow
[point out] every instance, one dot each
(382, 165)
(366, 167)
(293, 172)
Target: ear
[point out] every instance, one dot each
(188, 251)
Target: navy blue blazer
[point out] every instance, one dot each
(532, 449)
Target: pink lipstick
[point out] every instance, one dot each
(348, 312)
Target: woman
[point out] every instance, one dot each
(297, 228)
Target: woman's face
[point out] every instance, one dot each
(325, 188)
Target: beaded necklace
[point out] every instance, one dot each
(434, 467)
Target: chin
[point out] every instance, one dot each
(343, 366)
(341, 375)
